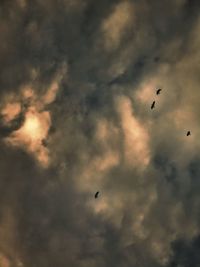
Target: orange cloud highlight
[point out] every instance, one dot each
(10, 111)
(136, 150)
(31, 134)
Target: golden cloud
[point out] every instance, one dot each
(31, 134)
(36, 123)
(136, 148)
(10, 111)
(114, 26)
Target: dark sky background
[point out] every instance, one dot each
(77, 79)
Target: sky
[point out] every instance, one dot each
(77, 80)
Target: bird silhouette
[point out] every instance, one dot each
(96, 194)
(188, 133)
(158, 91)
(153, 105)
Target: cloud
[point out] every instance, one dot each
(136, 151)
(32, 133)
(115, 25)
(11, 111)
(37, 122)
(77, 80)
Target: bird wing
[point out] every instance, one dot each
(153, 104)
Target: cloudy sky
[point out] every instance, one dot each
(77, 80)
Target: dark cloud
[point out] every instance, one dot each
(89, 71)
(186, 253)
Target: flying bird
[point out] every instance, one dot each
(96, 194)
(158, 91)
(153, 105)
(188, 133)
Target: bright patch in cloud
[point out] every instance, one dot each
(37, 122)
(10, 111)
(115, 25)
(31, 134)
(136, 149)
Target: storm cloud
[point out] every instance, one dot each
(77, 80)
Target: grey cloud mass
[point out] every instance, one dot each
(77, 80)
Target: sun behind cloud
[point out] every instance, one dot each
(33, 127)
(37, 122)
(31, 134)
